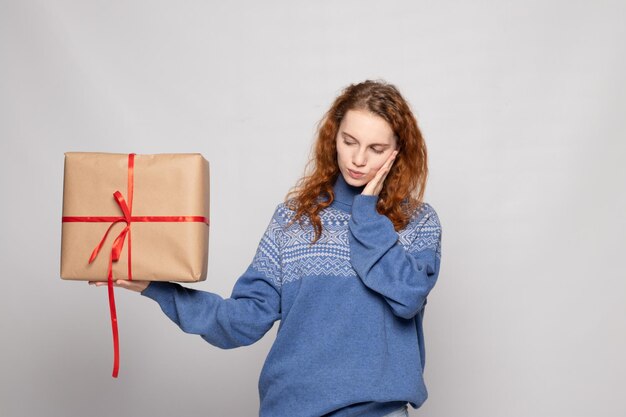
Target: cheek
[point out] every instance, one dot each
(340, 156)
(378, 164)
(343, 154)
(340, 150)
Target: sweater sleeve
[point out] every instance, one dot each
(404, 277)
(240, 320)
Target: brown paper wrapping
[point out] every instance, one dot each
(164, 185)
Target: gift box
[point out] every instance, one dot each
(168, 198)
(134, 217)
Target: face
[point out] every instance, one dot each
(364, 142)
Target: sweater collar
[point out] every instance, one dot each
(344, 193)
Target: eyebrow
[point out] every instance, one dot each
(373, 144)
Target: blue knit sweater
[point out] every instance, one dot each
(350, 340)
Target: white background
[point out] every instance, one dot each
(522, 107)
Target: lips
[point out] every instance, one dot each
(356, 174)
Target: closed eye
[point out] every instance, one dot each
(351, 143)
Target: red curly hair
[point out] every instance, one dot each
(403, 189)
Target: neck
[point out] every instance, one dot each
(344, 193)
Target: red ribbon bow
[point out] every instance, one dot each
(118, 243)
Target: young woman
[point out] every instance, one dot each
(346, 264)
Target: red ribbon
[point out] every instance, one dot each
(118, 243)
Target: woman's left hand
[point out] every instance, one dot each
(376, 184)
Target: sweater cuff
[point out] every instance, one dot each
(364, 208)
(157, 289)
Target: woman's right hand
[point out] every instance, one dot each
(132, 285)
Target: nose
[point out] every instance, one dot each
(358, 158)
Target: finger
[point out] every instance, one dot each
(378, 178)
(384, 171)
(384, 175)
(385, 166)
(382, 180)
